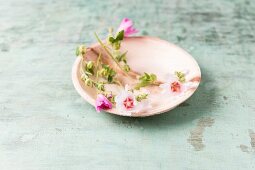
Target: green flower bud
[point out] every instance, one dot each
(103, 72)
(116, 45)
(81, 50)
(89, 82)
(181, 76)
(100, 86)
(126, 68)
(141, 97)
(90, 65)
(84, 77)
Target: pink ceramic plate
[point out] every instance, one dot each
(151, 55)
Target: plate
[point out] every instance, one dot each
(150, 55)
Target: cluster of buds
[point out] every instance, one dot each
(141, 97)
(91, 83)
(89, 67)
(80, 50)
(100, 86)
(107, 72)
(181, 76)
(115, 43)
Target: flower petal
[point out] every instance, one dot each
(127, 25)
(102, 103)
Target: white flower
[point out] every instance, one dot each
(127, 104)
(177, 85)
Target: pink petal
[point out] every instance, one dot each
(102, 103)
(127, 25)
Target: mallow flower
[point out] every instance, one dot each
(127, 25)
(127, 103)
(102, 103)
(176, 84)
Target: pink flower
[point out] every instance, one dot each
(127, 104)
(174, 86)
(127, 25)
(102, 103)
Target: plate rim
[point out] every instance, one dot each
(84, 95)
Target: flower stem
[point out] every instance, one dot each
(109, 53)
(97, 64)
(118, 82)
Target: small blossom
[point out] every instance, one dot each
(102, 103)
(127, 26)
(127, 104)
(176, 84)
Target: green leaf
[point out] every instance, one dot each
(120, 36)
(120, 57)
(111, 40)
(153, 77)
(110, 79)
(145, 80)
(123, 57)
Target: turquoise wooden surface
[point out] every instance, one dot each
(45, 124)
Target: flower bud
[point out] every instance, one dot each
(89, 82)
(84, 76)
(100, 86)
(141, 97)
(116, 45)
(181, 76)
(126, 68)
(103, 72)
(90, 65)
(81, 50)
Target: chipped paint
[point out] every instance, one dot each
(244, 148)
(196, 135)
(252, 136)
(247, 149)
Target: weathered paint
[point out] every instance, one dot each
(252, 136)
(244, 148)
(45, 124)
(196, 135)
